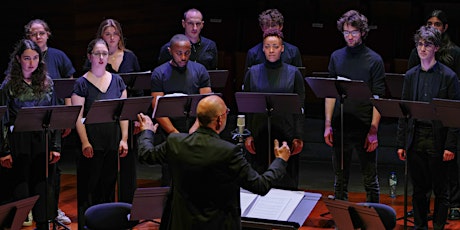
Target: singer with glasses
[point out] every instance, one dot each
(449, 55)
(275, 76)
(101, 143)
(432, 146)
(360, 119)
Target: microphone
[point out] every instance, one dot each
(240, 133)
(240, 123)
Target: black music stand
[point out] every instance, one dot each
(218, 78)
(348, 215)
(394, 84)
(13, 214)
(44, 118)
(2, 110)
(447, 111)
(115, 110)
(178, 106)
(64, 87)
(268, 103)
(148, 204)
(137, 80)
(405, 109)
(342, 89)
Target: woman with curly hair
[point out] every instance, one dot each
(28, 85)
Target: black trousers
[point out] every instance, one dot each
(96, 180)
(354, 144)
(428, 172)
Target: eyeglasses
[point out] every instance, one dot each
(227, 111)
(103, 54)
(41, 33)
(353, 33)
(427, 45)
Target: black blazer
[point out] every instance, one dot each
(444, 85)
(207, 173)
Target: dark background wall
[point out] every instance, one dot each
(148, 24)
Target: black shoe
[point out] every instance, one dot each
(454, 214)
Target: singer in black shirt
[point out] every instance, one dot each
(274, 76)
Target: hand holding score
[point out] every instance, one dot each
(282, 152)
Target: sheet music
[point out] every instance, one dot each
(343, 78)
(246, 199)
(166, 95)
(277, 204)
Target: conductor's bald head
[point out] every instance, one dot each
(212, 113)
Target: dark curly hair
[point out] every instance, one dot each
(355, 19)
(41, 83)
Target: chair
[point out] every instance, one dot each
(109, 216)
(147, 205)
(386, 213)
(348, 215)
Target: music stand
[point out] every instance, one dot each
(2, 110)
(268, 103)
(178, 106)
(347, 215)
(44, 118)
(148, 203)
(137, 80)
(342, 89)
(218, 78)
(405, 109)
(447, 111)
(13, 214)
(394, 84)
(63, 87)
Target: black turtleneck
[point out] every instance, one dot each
(363, 64)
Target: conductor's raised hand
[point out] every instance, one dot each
(282, 152)
(146, 123)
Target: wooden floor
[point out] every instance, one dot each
(317, 220)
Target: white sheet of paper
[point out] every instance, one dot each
(278, 204)
(246, 199)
